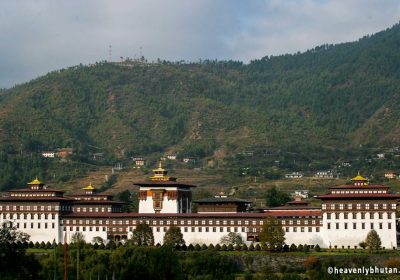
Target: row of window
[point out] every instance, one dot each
(46, 194)
(35, 208)
(88, 229)
(34, 225)
(27, 216)
(300, 229)
(358, 191)
(361, 215)
(93, 209)
(168, 222)
(298, 222)
(363, 226)
(357, 206)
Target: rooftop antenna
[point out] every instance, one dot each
(109, 53)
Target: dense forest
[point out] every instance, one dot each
(326, 102)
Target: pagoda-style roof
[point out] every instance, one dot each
(220, 200)
(366, 187)
(160, 179)
(365, 196)
(163, 184)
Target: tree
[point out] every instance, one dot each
(174, 237)
(275, 197)
(272, 235)
(232, 238)
(98, 240)
(143, 235)
(78, 238)
(373, 240)
(14, 262)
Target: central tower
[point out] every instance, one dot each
(163, 194)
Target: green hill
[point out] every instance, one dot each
(320, 103)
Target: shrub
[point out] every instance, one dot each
(317, 248)
(293, 248)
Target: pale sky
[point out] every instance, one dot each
(39, 36)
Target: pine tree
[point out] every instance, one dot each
(272, 235)
(143, 235)
(373, 240)
(174, 237)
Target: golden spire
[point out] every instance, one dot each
(89, 188)
(160, 174)
(35, 182)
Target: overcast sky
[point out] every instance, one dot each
(45, 35)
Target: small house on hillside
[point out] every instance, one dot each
(294, 175)
(390, 175)
(48, 154)
(64, 152)
(138, 161)
(98, 156)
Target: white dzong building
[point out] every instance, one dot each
(345, 217)
(163, 194)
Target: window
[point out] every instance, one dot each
(329, 225)
(341, 206)
(214, 229)
(363, 225)
(337, 225)
(323, 206)
(358, 206)
(362, 215)
(354, 226)
(193, 229)
(302, 229)
(287, 229)
(328, 216)
(309, 229)
(317, 229)
(345, 225)
(384, 206)
(345, 215)
(221, 229)
(367, 206)
(333, 206)
(185, 229)
(349, 206)
(393, 206)
(389, 226)
(376, 206)
(380, 226)
(372, 225)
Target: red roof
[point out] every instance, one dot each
(295, 213)
(35, 198)
(292, 207)
(360, 187)
(97, 202)
(163, 183)
(360, 196)
(40, 190)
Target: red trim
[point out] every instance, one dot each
(359, 196)
(367, 187)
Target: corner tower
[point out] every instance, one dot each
(163, 194)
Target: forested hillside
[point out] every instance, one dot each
(323, 102)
